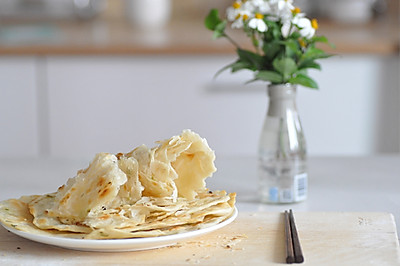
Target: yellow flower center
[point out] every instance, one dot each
(296, 11)
(236, 5)
(245, 17)
(314, 23)
(302, 43)
(259, 16)
(237, 16)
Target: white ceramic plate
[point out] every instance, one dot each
(118, 245)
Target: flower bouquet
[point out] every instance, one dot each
(283, 38)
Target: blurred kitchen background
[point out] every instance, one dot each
(79, 77)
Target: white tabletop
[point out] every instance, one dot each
(348, 184)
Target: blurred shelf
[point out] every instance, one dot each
(100, 37)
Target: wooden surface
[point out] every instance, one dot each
(179, 37)
(253, 239)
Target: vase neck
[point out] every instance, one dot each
(281, 99)
(283, 91)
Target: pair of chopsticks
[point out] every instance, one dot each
(293, 248)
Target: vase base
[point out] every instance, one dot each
(268, 202)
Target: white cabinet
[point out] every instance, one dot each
(357, 109)
(76, 106)
(117, 103)
(18, 107)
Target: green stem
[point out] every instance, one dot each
(231, 40)
(256, 43)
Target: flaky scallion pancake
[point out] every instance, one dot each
(38, 208)
(187, 212)
(15, 213)
(172, 224)
(177, 167)
(92, 188)
(131, 190)
(142, 193)
(193, 165)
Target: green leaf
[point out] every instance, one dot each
(304, 80)
(266, 75)
(254, 40)
(271, 49)
(286, 66)
(312, 54)
(322, 39)
(301, 72)
(292, 48)
(235, 66)
(223, 69)
(276, 32)
(212, 19)
(315, 53)
(239, 65)
(295, 35)
(319, 39)
(253, 59)
(219, 30)
(310, 64)
(292, 45)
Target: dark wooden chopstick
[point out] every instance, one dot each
(294, 253)
(289, 241)
(298, 254)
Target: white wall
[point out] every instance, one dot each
(84, 105)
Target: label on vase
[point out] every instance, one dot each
(274, 194)
(300, 187)
(286, 195)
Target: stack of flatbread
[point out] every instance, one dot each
(142, 193)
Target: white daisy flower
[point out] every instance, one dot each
(258, 23)
(261, 6)
(287, 28)
(285, 4)
(241, 17)
(250, 6)
(283, 9)
(233, 11)
(287, 24)
(306, 28)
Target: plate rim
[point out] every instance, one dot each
(117, 245)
